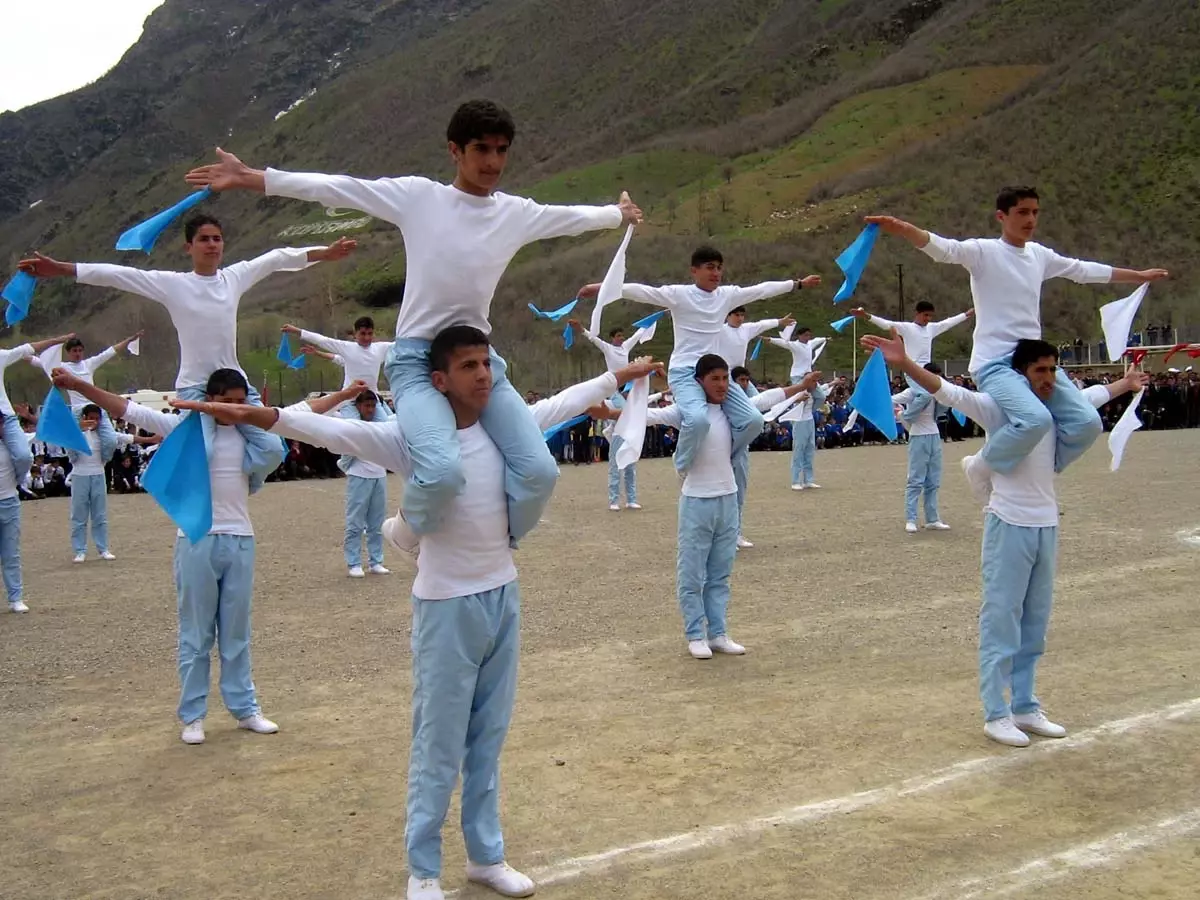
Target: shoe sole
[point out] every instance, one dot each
(489, 885)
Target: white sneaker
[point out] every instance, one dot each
(1037, 723)
(1005, 731)
(743, 544)
(910, 527)
(80, 557)
(104, 554)
(811, 486)
(725, 644)
(633, 506)
(797, 486)
(258, 723)
(356, 572)
(614, 507)
(399, 534)
(501, 878)
(979, 477)
(193, 732)
(699, 650)
(939, 525)
(378, 569)
(424, 889)
(18, 607)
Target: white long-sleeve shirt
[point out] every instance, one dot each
(711, 474)
(230, 485)
(918, 339)
(8, 475)
(926, 420)
(1025, 496)
(1006, 285)
(470, 553)
(84, 370)
(699, 315)
(93, 464)
(203, 308)
(7, 358)
(802, 353)
(732, 342)
(616, 356)
(357, 361)
(457, 245)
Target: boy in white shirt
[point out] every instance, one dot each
(1006, 283)
(735, 337)
(89, 484)
(1020, 539)
(361, 358)
(366, 491)
(698, 313)
(203, 305)
(214, 577)
(459, 238)
(18, 446)
(924, 451)
(804, 349)
(466, 605)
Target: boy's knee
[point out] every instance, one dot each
(1037, 421)
(539, 472)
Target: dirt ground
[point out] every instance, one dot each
(842, 757)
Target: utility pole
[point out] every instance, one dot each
(900, 284)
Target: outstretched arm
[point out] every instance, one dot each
(248, 273)
(937, 328)
(330, 402)
(580, 397)
(313, 351)
(937, 248)
(740, 296)
(638, 293)
(122, 346)
(112, 404)
(543, 221)
(39, 346)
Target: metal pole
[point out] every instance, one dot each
(855, 324)
(900, 279)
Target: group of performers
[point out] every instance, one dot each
(478, 475)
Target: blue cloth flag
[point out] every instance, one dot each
(178, 479)
(853, 260)
(959, 417)
(563, 426)
(58, 425)
(840, 325)
(649, 320)
(872, 396)
(19, 294)
(299, 362)
(754, 352)
(142, 236)
(554, 315)
(568, 338)
(284, 353)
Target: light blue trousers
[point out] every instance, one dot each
(708, 530)
(427, 423)
(745, 421)
(741, 477)
(17, 446)
(89, 500)
(10, 547)
(464, 653)
(366, 506)
(1018, 588)
(1075, 421)
(214, 578)
(921, 398)
(924, 476)
(615, 475)
(804, 448)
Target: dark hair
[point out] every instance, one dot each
(736, 309)
(934, 368)
(924, 306)
(450, 339)
(1029, 350)
(72, 344)
(364, 322)
(223, 380)
(706, 254)
(366, 397)
(477, 119)
(90, 410)
(710, 362)
(801, 329)
(738, 372)
(616, 331)
(1011, 196)
(196, 222)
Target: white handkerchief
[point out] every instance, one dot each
(786, 334)
(850, 421)
(798, 412)
(631, 426)
(1116, 319)
(50, 358)
(1126, 425)
(614, 281)
(820, 350)
(135, 347)
(654, 398)
(780, 408)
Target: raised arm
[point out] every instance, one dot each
(937, 248)
(112, 404)
(121, 346)
(148, 284)
(39, 346)
(333, 345)
(764, 400)
(248, 273)
(578, 398)
(543, 221)
(332, 401)
(936, 328)
(95, 362)
(1100, 394)
(751, 330)
(740, 296)
(638, 293)
(877, 321)
(1082, 271)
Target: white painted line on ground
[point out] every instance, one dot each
(1189, 537)
(1106, 852)
(713, 835)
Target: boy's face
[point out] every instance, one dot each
(1020, 222)
(744, 381)
(736, 319)
(716, 385)
(804, 337)
(618, 338)
(364, 336)
(89, 422)
(366, 409)
(207, 247)
(481, 163)
(923, 318)
(75, 354)
(708, 276)
(467, 381)
(233, 395)
(1041, 375)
